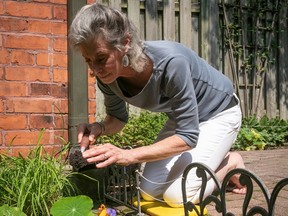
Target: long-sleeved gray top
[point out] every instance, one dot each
(182, 85)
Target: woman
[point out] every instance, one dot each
(160, 76)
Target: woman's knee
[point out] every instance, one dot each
(236, 160)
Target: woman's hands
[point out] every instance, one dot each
(106, 154)
(88, 133)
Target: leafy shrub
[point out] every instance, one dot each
(261, 134)
(140, 130)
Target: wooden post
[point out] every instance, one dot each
(77, 80)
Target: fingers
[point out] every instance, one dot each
(87, 134)
(104, 155)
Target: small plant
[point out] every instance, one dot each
(32, 184)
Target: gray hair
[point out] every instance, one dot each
(96, 20)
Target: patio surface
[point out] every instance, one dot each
(270, 166)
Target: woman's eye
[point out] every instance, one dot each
(88, 61)
(101, 59)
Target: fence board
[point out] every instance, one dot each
(151, 20)
(185, 22)
(115, 4)
(283, 63)
(210, 32)
(169, 20)
(134, 11)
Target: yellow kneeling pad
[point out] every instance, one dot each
(156, 208)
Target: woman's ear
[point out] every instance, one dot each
(126, 42)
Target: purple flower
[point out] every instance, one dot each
(111, 212)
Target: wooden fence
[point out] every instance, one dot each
(246, 40)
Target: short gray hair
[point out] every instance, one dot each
(97, 20)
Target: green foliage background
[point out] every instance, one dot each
(255, 134)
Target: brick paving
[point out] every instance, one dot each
(270, 166)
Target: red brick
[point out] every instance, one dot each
(1, 7)
(11, 24)
(12, 89)
(37, 26)
(61, 106)
(13, 122)
(27, 137)
(61, 136)
(1, 40)
(27, 74)
(1, 142)
(91, 92)
(59, 91)
(4, 151)
(91, 79)
(41, 121)
(59, 1)
(1, 106)
(61, 121)
(5, 56)
(91, 106)
(1, 73)
(91, 118)
(30, 9)
(29, 105)
(26, 42)
(60, 12)
(60, 59)
(43, 59)
(59, 28)
(22, 57)
(41, 0)
(23, 151)
(60, 44)
(52, 150)
(60, 75)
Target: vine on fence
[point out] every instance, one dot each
(248, 27)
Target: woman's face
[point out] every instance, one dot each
(105, 63)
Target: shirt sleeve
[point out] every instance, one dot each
(114, 105)
(178, 86)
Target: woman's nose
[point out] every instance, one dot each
(96, 69)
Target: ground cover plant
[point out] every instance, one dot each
(263, 133)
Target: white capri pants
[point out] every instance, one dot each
(162, 179)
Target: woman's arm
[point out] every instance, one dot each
(108, 154)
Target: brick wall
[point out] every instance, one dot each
(33, 75)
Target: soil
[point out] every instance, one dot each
(78, 162)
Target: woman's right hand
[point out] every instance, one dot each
(88, 133)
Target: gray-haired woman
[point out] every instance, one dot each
(159, 76)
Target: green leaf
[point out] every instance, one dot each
(6, 210)
(73, 206)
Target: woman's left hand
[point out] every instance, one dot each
(106, 154)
